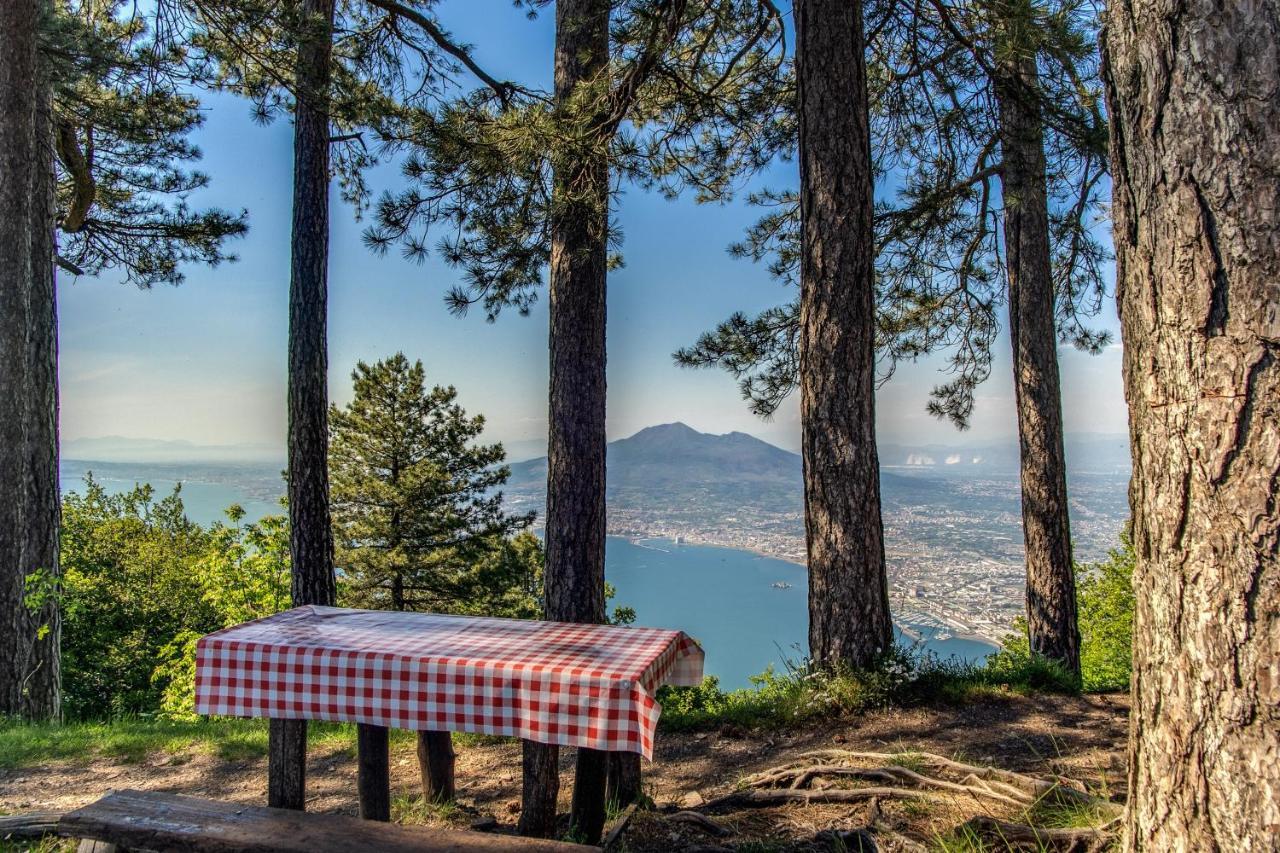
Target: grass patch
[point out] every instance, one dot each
(414, 810)
(132, 740)
(44, 845)
(903, 677)
(129, 740)
(465, 739)
(965, 840)
(135, 739)
(1071, 815)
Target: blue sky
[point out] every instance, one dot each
(205, 362)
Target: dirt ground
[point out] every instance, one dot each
(1079, 737)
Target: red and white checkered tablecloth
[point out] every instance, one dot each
(554, 682)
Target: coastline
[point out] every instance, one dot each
(913, 623)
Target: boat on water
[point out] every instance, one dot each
(780, 585)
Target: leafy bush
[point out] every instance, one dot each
(1105, 593)
(129, 587)
(903, 676)
(1104, 600)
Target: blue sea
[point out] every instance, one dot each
(724, 598)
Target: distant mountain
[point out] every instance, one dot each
(673, 467)
(662, 456)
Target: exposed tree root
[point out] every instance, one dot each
(889, 780)
(706, 824)
(995, 779)
(760, 798)
(799, 777)
(1077, 840)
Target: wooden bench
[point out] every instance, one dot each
(162, 822)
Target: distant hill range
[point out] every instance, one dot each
(674, 470)
(676, 473)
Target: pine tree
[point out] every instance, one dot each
(417, 515)
(111, 127)
(849, 624)
(967, 104)
(353, 74)
(123, 114)
(21, 216)
(671, 94)
(1192, 92)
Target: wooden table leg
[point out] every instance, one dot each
(541, 767)
(623, 786)
(435, 763)
(287, 764)
(373, 772)
(587, 813)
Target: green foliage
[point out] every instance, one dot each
(129, 588)
(418, 520)
(1104, 601)
(122, 116)
(1104, 594)
(932, 74)
(142, 582)
(693, 98)
(774, 700)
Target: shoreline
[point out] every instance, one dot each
(909, 621)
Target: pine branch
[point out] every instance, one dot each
(504, 90)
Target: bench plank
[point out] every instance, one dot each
(172, 822)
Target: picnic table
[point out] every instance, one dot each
(587, 686)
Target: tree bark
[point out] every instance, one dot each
(310, 537)
(1046, 527)
(19, 160)
(373, 772)
(435, 765)
(1193, 92)
(287, 764)
(575, 523)
(541, 788)
(625, 779)
(310, 532)
(849, 624)
(43, 696)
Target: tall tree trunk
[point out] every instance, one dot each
(575, 525)
(43, 698)
(1046, 530)
(849, 623)
(311, 536)
(1193, 91)
(19, 160)
(310, 532)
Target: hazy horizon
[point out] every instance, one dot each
(150, 450)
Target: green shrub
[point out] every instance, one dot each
(1105, 596)
(1104, 601)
